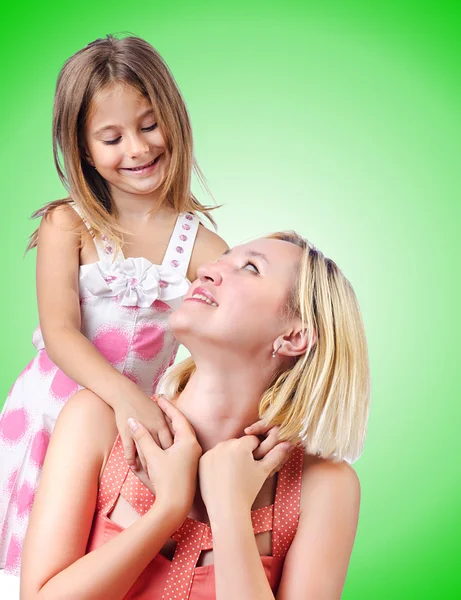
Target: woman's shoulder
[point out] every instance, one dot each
(327, 483)
(90, 420)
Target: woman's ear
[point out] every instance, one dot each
(296, 342)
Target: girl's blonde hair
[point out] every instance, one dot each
(130, 61)
(323, 399)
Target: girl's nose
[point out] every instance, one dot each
(137, 147)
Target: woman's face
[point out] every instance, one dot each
(124, 143)
(239, 302)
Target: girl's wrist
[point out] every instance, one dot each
(118, 390)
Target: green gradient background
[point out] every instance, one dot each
(342, 121)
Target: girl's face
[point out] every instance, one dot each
(239, 302)
(124, 143)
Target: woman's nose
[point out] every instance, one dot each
(210, 272)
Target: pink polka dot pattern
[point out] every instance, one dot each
(63, 387)
(39, 447)
(25, 499)
(44, 363)
(13, 556)
(193, 536)
(113, 344)
(148, 340)
(13, 425)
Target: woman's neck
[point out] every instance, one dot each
(220, 402)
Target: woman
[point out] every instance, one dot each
(274, 329)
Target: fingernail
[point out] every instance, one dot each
(133, 424)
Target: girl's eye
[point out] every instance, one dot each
(150, 128)
(112, 142)
(251, 267)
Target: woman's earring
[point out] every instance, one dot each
(274, 353)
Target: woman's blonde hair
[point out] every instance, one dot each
(130, 61)
(323, 399)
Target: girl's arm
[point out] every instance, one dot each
(54, 563)
(60, 240)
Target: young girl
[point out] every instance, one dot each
(273, 327)
(113, 260)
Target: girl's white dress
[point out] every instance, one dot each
(125, 304)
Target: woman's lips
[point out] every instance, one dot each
(202, 295)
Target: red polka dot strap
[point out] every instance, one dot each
(286, 503)
(193, 536)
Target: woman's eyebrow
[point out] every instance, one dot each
(256, 254)
(252, 253)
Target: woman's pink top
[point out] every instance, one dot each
(180, 578)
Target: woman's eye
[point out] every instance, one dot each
(150, 128)
(249, 266)
(112, 142)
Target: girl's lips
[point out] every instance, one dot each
(147, 168)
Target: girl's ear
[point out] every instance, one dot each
(88, 159)
(86, 155)
(296, 342)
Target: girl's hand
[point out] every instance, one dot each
(172, 472)
(230, 477)
(134, 403)
(271, 440)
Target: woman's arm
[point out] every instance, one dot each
(60, 239)
(316, 564)
(55, 565)
(230, 480)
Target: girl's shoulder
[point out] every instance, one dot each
(208, 247)
(61, 218)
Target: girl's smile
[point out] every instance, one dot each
(125, 144)
(144, 169)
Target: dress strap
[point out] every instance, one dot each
(101, 248)
(286, 503)
(113, 478)
(181, 244)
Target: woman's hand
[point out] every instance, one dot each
(134, 403)
(230, 477)
(172, 472)
(270, 435)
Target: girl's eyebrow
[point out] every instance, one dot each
(146, 113)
